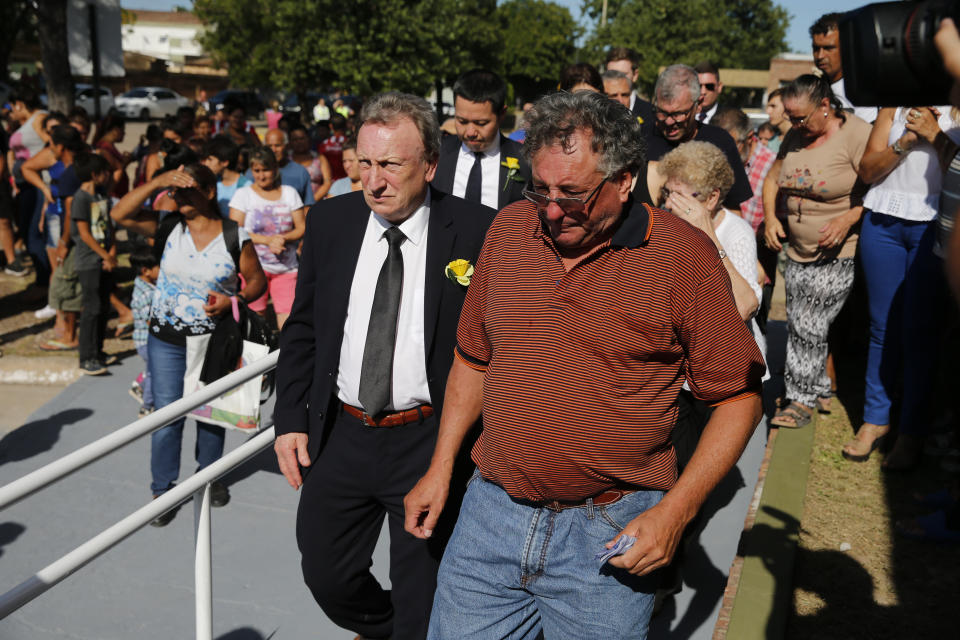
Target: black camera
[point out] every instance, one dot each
(889, 58)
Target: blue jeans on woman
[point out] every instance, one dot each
(167, 363)
(904, 280)
(512, 569)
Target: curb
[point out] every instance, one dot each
(763, 598)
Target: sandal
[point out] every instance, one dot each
(56, 345)
(860, 448)
(824, 404)
(793, 416)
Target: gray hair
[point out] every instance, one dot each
(613, 74)
(554, 118)
(387, 108)
(673, 80)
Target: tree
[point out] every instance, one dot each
(363, 46)
(52, 31)
(731, 33)
(539, 38)
(17, 25)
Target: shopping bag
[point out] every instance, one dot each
(239, 408)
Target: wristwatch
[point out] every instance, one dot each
(897, 149)
(723, 254)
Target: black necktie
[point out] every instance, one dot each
(376, 373)
(474, 181)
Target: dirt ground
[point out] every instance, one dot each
(855, 576)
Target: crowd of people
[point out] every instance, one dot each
(609, 323)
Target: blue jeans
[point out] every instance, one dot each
(146, 386)
(167, 363)
(512, 569)
(904, 279)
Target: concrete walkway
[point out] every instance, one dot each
(143, 588)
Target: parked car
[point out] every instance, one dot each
(251, 102)
(84, 98)
(150, 102)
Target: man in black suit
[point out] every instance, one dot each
(480, 164)
(364, 358)
(627, 62)
(677, 101)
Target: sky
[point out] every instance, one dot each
(803, 14)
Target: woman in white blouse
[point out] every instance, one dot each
(698, 176)
(908, 149)
(198, 276)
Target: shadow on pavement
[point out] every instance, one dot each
(10, 531)
(266, 460)
(246, 633)
(38, 436)
(699, 574)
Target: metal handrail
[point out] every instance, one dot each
(197, 485)
(50, 473)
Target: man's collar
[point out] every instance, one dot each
(415, 226)
(492, 151)
(635, 226)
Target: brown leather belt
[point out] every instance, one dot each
(391, 419)
(599, 500)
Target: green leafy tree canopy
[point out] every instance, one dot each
(363, 46)
(731, 33)
(539, 40)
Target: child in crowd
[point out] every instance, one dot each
(145, 265)
(221, 155)
(96, 257)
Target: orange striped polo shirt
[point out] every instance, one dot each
(582, 368)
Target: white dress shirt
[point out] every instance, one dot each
(409, 387)
(489, 166)
(867, 114)
(712, 111)
(633, 99)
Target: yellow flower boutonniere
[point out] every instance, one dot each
(639, 119)
(513, 166)
(459, 271)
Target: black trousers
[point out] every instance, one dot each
(95, 287)
(362, 474)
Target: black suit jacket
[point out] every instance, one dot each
(644, 110)
(311, 338)
(447, 169)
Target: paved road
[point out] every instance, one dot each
(143, 588)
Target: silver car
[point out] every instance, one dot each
(84, 98)
(150, 102)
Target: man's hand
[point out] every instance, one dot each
(424, 503)
(109, 263)
(657, 532)
(291, 448)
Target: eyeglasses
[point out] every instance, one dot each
(665, 193)
(567, 205)
(676, 116)
(709, 86)
(799, 122)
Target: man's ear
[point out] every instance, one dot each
(624, 183)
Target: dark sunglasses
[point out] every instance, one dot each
(709, 86)
(574, 206)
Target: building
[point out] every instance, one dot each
(172, 36)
